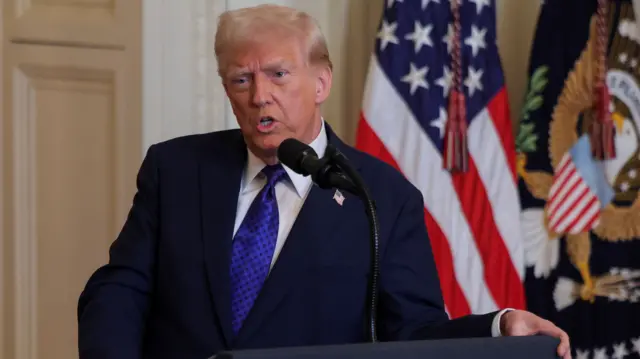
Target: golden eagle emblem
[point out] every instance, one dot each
(620, 220)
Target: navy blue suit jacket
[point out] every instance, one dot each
(165, 292)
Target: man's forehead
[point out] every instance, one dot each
(265, 55)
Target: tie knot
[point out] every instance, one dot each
(274, 173)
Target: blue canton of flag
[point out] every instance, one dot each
(421, 69)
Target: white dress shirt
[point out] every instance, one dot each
(291, 194)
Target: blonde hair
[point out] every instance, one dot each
(244, 25)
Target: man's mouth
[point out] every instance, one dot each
(266, 124)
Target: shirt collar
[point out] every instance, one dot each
(300, 183)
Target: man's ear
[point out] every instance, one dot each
(324, 78)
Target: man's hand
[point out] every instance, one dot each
(522, 323)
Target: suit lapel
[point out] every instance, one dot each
(318, 218)
(220, 179)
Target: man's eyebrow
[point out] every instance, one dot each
(239, 71)
(271, 66)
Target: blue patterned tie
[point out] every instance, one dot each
(253, 247)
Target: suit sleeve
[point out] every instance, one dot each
(113, 307)
(411, 304)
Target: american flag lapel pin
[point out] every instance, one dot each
(338, 197)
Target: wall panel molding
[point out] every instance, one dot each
(3, 197)
(25, 257)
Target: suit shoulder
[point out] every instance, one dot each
(194, 145)
(376, 170)
(198, 140)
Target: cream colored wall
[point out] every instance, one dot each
(516, 20)
(182, 93)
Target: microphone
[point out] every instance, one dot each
(335, 171)
(302, 159)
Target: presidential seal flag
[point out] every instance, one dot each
(579, 174)
(435, 107)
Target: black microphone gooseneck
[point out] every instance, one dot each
(335, 171)
(341, 161)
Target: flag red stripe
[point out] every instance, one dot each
(592, 222)
(498, 108)
(560, 177)
(500, 275)
(565, 176)
(563, 190)
(574, 206)
(556, 208)
(583, 212)
(457, 304)
(567, 206)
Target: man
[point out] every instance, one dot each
(225, 248)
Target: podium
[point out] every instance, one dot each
(530, 347)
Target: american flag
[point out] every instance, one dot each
(579, 191)
(472, 217)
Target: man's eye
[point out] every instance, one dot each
(280, 73)
(239, 81)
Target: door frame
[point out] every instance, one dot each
(3, 241)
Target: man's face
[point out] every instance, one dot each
(274, 94)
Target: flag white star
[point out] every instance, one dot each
(416, 78)
(448, 38)
(620, 351)
(600, 353)
(623, 58)
(391, 2)
(440, 122)
(473, 80)
(445, 81)
(420, 36)
(425, 3)
(387, 34)
(582, 354)
(632, 174)
(624, 186)
(636, 344)
(480, 4)
(476, 40)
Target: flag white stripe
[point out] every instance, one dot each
(569, 203)
(575, 211)
(421, 163)
(565, 170)
(563, 161)
(493, 167)
(586, 218)
(555, 202)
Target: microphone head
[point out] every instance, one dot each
(293, 153)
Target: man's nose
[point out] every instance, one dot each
(261, 91)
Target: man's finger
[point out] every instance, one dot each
(564, 349)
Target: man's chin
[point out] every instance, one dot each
(271, 142)
(267, 146)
